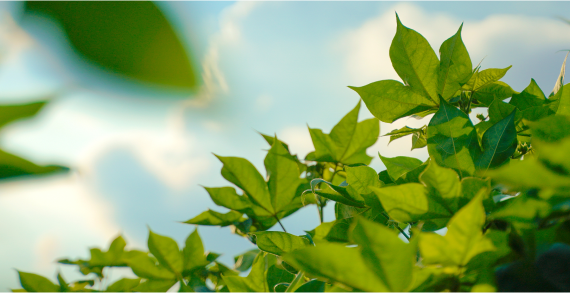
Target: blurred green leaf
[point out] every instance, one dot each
(132, 39)
(155, 285)
(36, 283)
(213, 218)
(193, 252)
(254, 282)
(124, 285)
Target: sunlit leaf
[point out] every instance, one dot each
(279, 242)
(454, 67)
(36, 283)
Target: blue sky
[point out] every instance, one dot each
(273, 67)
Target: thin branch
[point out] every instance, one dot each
(282, 227)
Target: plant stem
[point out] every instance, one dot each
(282, 227)
(399, 229)
(296, 282)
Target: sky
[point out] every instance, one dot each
(140, 158)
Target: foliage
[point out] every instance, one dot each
(500, 187)
(134, 40)
(14, 166)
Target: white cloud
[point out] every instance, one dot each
(49, 218)
(366, 48)
(229, 35)
(298, 139)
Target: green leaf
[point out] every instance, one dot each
(336, 193)
(145, 266)
(10, 113)
(555, 154)
(166, 250)
(522, 209)
(254, 282)
(155, 286)
(193, 252)
(385, 253)
(13, 166)
(529, 173)
(213, 218)
(283, 176)
(63, 286)
(480, 79)
(279, 242)
(488, 93)
(531, 96)
(402, 132)
(551, 129)
(244, 261)
(452, 140)
(411, 202)
(442, 183)
(276, 274)
(36, 283)
(463, 240)
(360, 177)
(454, 67)
(399, 166)
(347, 266)
(312, 286)
(499, 142)
(419, 140)
(415, 61)
(243, 174)
(499, 110)
(390, 100)
(348, 140)
(564, 102)
(124, 285)
(135, 40)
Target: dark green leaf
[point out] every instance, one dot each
(130, 39)
(452, 140)
(312, 286)
(499, 142)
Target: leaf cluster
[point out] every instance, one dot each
(500, 187)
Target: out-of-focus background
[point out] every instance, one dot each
(141, 94)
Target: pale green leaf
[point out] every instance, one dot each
(243, 174)
(415, 61)
(454, 66)
(390, 100)
(36, 283)
(193, 252)
(279, 242)
(213, 218)
(398, 166)
(531, 96)
(166, 250)
(283, 176)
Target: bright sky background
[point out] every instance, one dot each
(273, 67)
